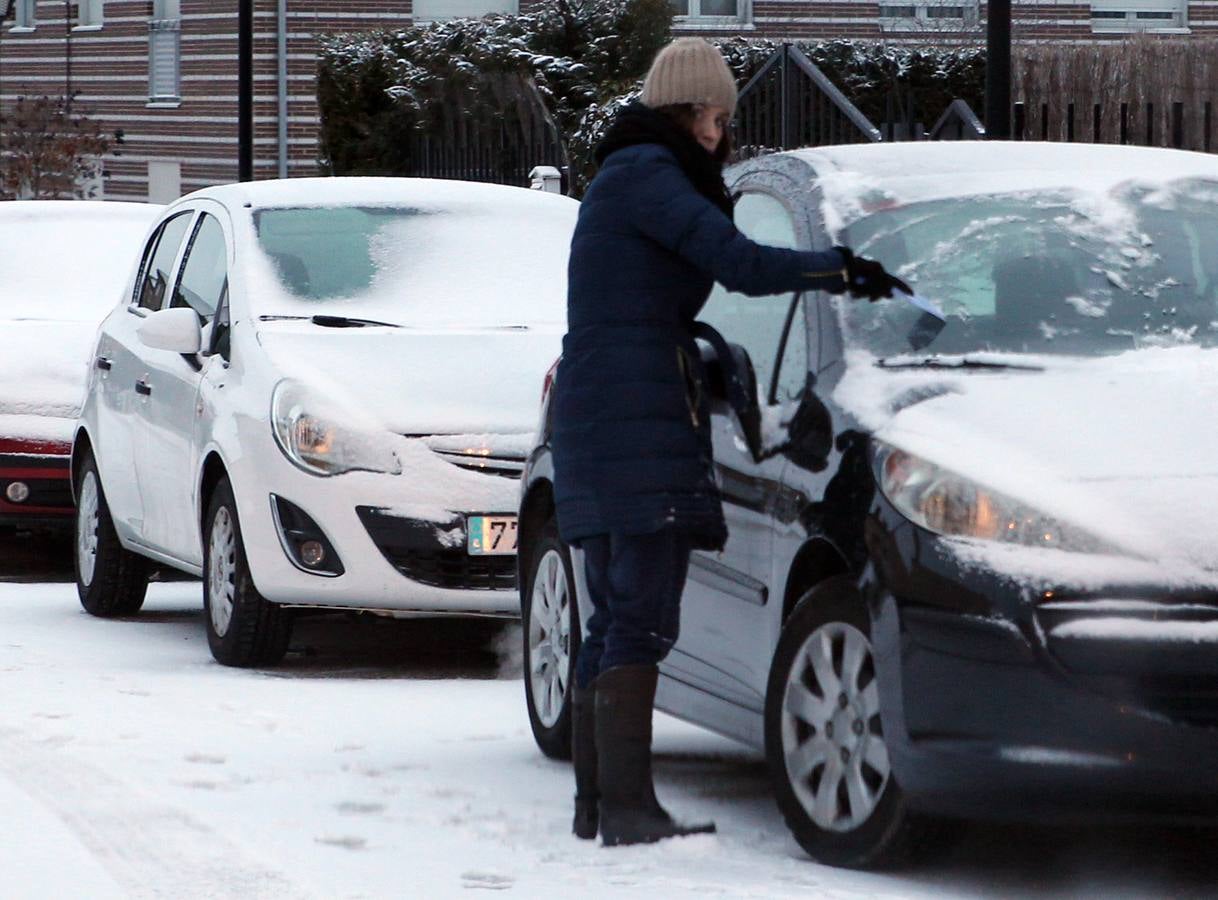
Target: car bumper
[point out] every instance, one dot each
(40, 470)
(398, 553)
(1005, 700)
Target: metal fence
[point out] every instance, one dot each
(791, 103)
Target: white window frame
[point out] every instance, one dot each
(1139, 15)
(435, 15)
(695, 19)
(90, 15)
(164, 50)
(924, 20)
(25, 16)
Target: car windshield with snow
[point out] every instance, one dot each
(49, 313)
(971, 569)
(319, 394)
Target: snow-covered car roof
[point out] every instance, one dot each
(347, 191)
(101, 239)
(856, 178)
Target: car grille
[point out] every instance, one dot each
(504, 466)
(433, 553)
(455, 569)
(1158, 655)
(473, 455)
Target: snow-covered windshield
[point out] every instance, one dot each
(460, 263)
(1057, 272)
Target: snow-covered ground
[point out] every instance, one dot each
(393, 759)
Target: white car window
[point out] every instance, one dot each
(204, 275)
(158, 263)
(755, 323)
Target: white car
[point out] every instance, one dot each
(320, 393)
(49, 313)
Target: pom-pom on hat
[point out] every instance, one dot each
(690, 70)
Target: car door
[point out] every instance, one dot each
(724, 607)
(118, 363)
(168, 457)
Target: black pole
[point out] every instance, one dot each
(245, 90)
(998, 70)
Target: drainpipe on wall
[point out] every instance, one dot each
(67, 56)
(282, 84)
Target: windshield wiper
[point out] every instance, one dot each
(329, 321)
(953, 362)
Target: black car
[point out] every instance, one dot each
(972, 572)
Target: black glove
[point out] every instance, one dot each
(867, 278)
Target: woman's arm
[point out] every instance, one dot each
(671, 212)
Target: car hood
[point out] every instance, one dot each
(44, 366)
(1125, 447)
(423, 381)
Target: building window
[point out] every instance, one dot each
(1138, 15)
(164, 52)
(430, 10)
(708, 9)
(89, 13)
(25, 15)
(929, 17)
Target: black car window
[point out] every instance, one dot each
(204, 275)
(158, 261)
(755, 322)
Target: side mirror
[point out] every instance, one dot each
(176, 330)
(810, 432)
(730, 377)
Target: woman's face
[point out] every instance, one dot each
(709, 124)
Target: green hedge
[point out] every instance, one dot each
(582, 60)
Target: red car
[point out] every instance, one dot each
(49, 314)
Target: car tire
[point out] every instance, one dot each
(111, 581)
(824, 739)
(550, 623)
(243, 628)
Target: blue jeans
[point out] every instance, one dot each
(634, 583)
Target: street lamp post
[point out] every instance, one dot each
(245, 90)
(998, 70)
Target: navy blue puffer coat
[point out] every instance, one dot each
(631, 436)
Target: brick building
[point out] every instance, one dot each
(165, 71)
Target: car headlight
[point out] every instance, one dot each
(949, 504)
(314, 436)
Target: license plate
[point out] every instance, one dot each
(491, 535)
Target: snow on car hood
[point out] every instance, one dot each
(43, 370)
(1125, 447)
(424, 381)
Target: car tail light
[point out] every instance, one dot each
(34, 447)
(548, 382)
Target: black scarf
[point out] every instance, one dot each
(638, 124)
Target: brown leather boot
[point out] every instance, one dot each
(629, 812)
(583, 755)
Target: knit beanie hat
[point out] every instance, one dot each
(690, 70)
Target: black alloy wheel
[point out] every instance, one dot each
(550, 623)
(111, 581)
(243, 628)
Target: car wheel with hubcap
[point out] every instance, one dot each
(243, 629)
(824, 739)
(551, 642)
(110, 580)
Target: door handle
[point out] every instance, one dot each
(104, 364)
(143, 387)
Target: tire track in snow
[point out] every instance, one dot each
(149, 847)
